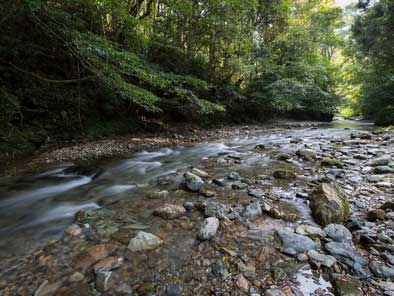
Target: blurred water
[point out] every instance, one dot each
(39, 207)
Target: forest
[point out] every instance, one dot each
(95, 68)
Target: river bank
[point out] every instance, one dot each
(231, 217)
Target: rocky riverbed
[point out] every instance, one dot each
(288, 212)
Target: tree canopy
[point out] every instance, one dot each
(95, 67)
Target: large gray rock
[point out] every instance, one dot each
(208, 228)
(297, 242)
(144, 241)
(329, 204)
(193, 182)
(338, 233)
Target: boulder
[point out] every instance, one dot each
(169, 211)
(193, 182)
(329, 204)
(144, 241)
(208, 228)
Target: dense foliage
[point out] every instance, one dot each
(95, 67)
(371, 71)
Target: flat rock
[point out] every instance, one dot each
(299, 243)
(310, 230)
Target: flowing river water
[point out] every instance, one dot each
(36, 209)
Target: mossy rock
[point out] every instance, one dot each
(329, 204)
(331, 162)
(284, 174)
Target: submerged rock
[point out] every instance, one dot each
(170, 211)
(193, 182)
(144, 241)
(208, 228)
(299, 243)
(329, 204)
(93, 254)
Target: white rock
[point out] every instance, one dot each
(144, 241)
(208, 228)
